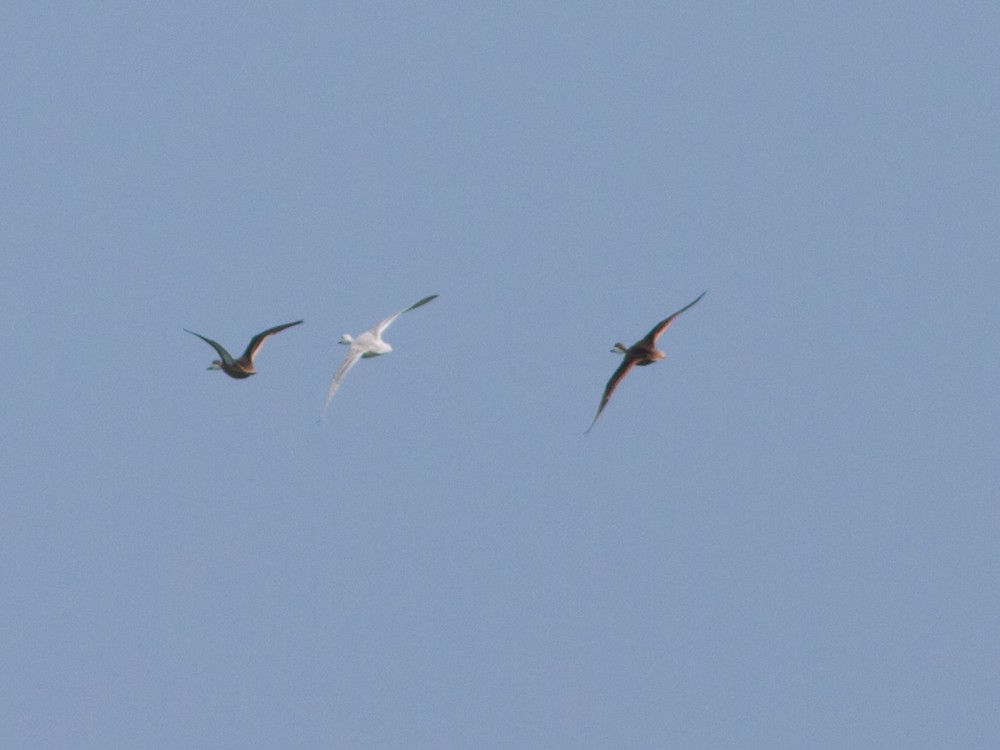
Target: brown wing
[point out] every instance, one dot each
(650, 338)
(257, 340)
(620, 373)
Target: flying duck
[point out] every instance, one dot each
(642, 352)
(242, 367)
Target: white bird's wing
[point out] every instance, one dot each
(377, 330)
(345, 366)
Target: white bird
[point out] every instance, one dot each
(366, 345)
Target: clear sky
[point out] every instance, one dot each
(782, 536)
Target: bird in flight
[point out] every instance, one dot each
(366, 345)
(242, 367)
(642, 352)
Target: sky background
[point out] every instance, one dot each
(783, 536)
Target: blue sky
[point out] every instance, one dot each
(784, 535)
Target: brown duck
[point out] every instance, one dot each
(242, 367)
(642, 352)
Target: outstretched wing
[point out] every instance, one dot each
(223, 354)
(258, 340)
(377, 330)
(345, 366)
(650, 338)
(620, 373)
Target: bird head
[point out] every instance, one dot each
(347, 339)
(216, 365)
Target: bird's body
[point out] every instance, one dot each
(643, 352)
(243, 367)
(365, 346)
